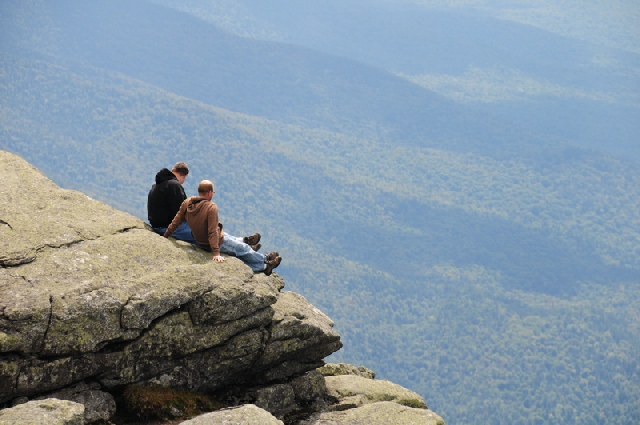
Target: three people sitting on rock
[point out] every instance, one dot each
(195, 220)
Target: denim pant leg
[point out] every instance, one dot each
(234, 246)
(159, 230)
(182, 233)
(234, 238)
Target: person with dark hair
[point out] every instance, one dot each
(202, 216)
(164, 200)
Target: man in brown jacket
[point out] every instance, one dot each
(202, 216)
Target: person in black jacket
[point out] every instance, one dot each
(164, 200)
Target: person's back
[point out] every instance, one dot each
(202, 216)
(165, 197)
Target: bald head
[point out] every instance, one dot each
(205, 187)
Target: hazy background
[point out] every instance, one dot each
(455, 183)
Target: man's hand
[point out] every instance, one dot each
(218, 258)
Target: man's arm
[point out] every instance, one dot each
(177, 220)
(214, 232)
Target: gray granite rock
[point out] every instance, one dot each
(354, 391)
(91, 299)
(91, 294)
(380, 413)
(99, 405)
(336, 369)
(44, 412)
(244, 415)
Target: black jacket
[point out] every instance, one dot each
(165, 198)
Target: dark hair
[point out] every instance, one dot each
(181, 168)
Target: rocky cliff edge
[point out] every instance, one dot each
(92, 301)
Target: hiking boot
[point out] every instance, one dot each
(271, 256)
(272, 264)
(256, 247)
(252, 240)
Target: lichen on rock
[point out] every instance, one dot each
(50, 412)
(92, 301)
(91, 294)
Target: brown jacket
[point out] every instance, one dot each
(202, 217)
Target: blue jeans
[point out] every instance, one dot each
(183, 232)
(235, 246)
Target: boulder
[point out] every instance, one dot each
(309, 387)
(89, 294)
(40, 412)
(278, 399)
(248, 414)
(299, 333)
(336, 369)
(305, 393)
(380, 413)
(92, 300)
(354, 391)
(99, 405)
(315, 393)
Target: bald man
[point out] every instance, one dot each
(202, 216)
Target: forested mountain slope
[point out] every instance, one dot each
(563, 73)
(490, 266)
